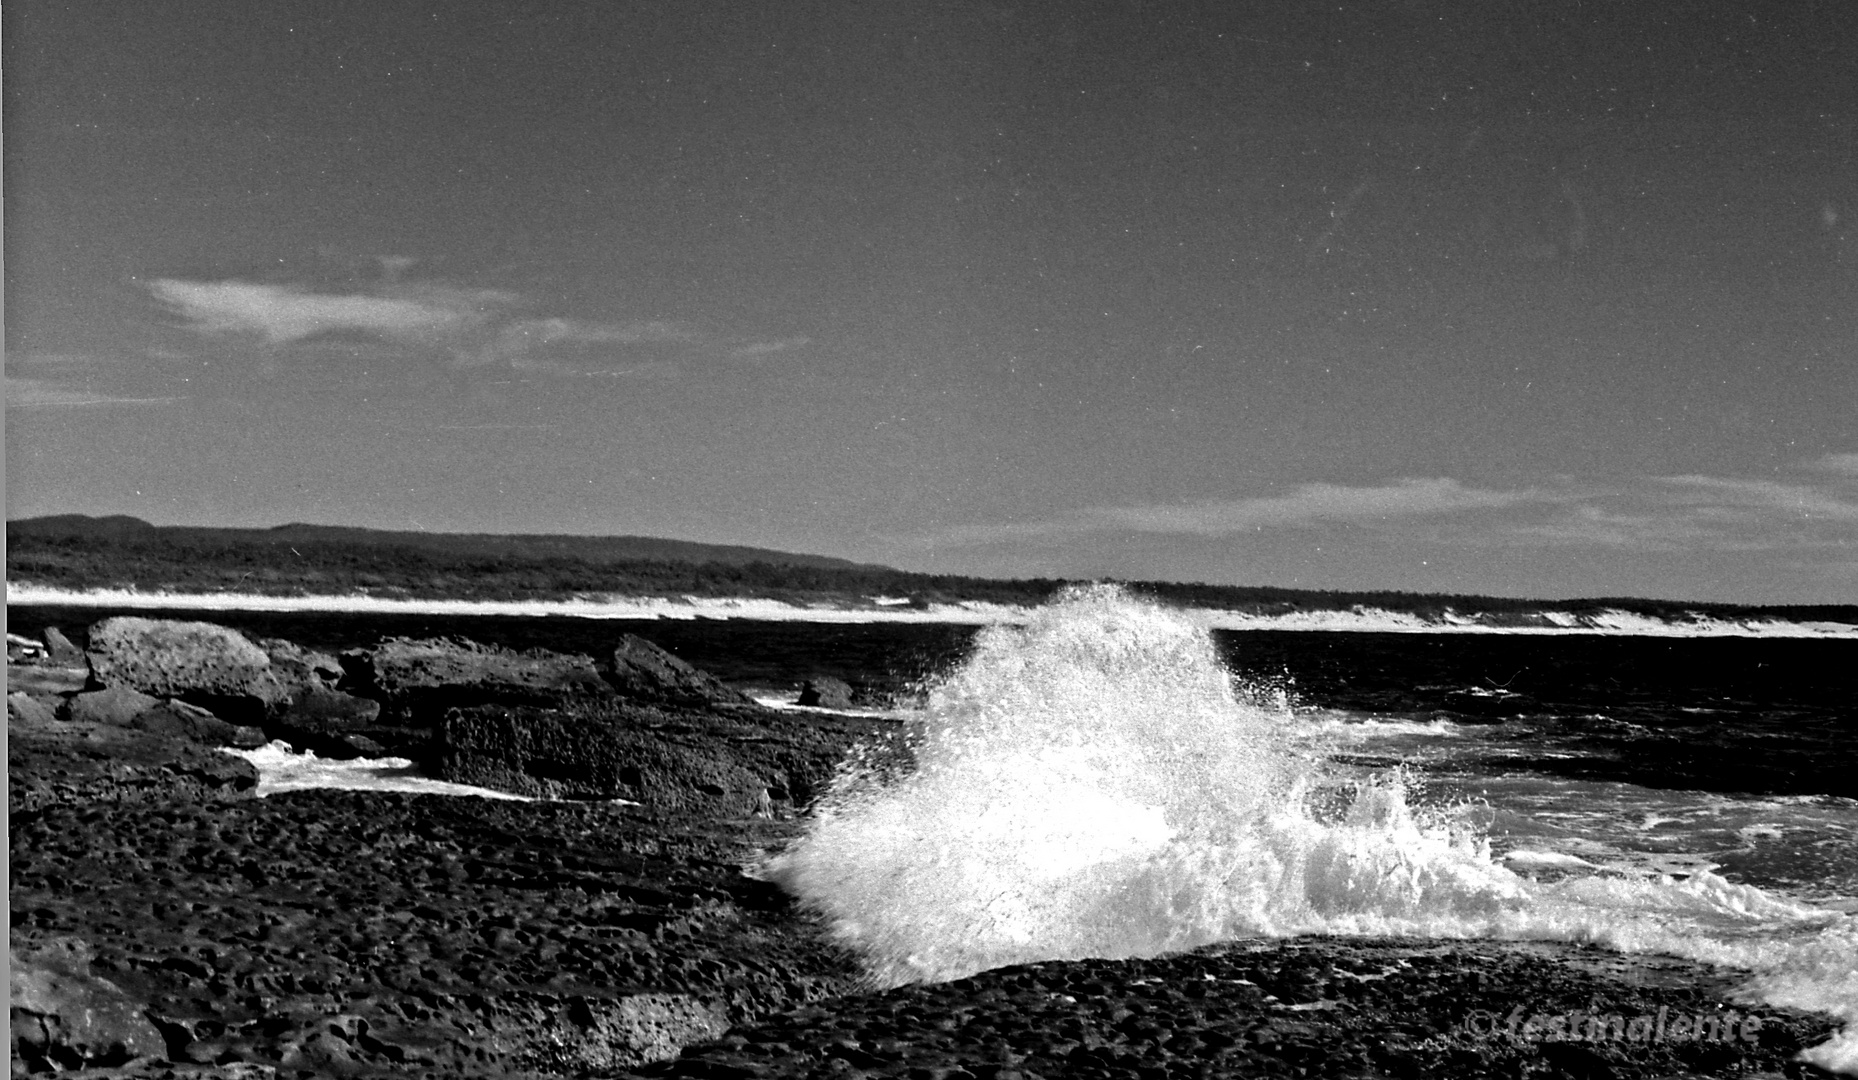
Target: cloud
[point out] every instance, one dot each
(1762, 497)
(1844, 464)
(1589, 524)
(1816, 509)
(281, 314)
(49, 393)
(1309, 503)
(518, 342)
(756, 350)
(472, 327)
(1716, 513)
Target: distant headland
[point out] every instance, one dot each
(73, 559)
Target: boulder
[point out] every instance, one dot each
(116, 705)
(59, 761)
(183, 721)
(642, 671)
(59, 649)
(417, 679)
(305, 664)
(64, 1017)
(208, 665)
(349, 747)
(276, 685)
(545, 753)
(31, 708)
(825, 692)
(729, 765)
(119, 706)
(328, 722)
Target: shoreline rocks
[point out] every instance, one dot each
(733, 764)
(64, 1017)
(641, 671)
(825, 692)
(209, 665)
(382, 935)
(417, 679)
(53, 762)
(395, 935)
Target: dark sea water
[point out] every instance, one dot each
(1113, 780)
(1735, 715)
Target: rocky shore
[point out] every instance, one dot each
(167, 922)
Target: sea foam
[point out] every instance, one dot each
(1091, 784)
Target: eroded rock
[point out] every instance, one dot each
(59, 649)
(31, 708)
(212, 666)
(60, 761)
(736, 764)
(825, 692)
(64, 1017)
(417, 679)
(288, 656)
(642, 671)
(596, 1035)
(114, 705)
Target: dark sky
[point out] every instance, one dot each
(1548, 299)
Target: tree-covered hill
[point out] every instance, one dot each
(82, 553)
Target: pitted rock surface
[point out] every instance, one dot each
(290, 656)
(65, 1017)
(1300, 1007)
(418, 935)
(51, 762)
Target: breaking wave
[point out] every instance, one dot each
(1091, 784)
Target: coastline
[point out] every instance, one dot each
(884, 610)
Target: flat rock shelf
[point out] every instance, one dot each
(372, 934)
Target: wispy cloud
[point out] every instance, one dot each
(281, 313)
(758, 350)
(1804, 501)
(1310, 502)
(1814, 506)
(469, 327)
(1843, 464)
(49, 393)
(1307, 504)
(526, 343)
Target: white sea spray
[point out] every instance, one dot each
(1090, 785)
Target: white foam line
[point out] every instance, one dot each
(282, 768)
(971, 613)
(602, 607)
(1610, 623)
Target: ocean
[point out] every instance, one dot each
(1113, 778)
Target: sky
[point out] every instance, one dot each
(1548, 300)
